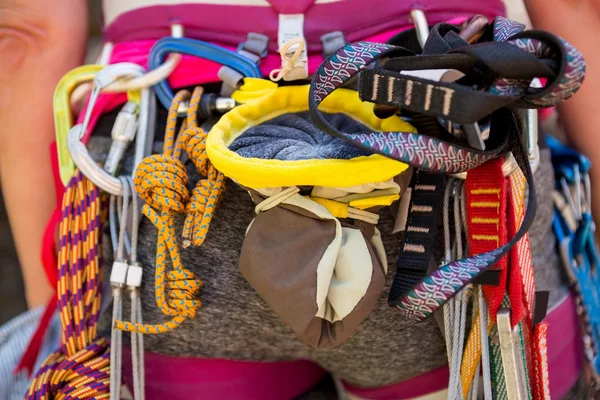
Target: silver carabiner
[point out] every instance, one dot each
(145, 134)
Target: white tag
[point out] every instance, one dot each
(291, 26)
(402, 216)
(443, 75)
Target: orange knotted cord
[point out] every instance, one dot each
(161, 181)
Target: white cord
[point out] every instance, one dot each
(149, 79)
(276, 199)
(137, 339)
(117, 281)
(455, 309)
(485, 350)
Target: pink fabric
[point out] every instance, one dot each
(429, 382)
(229, 25)
(195, 71)
(565, 357)
(208, 379)
(545, 113)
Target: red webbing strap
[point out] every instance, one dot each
(519, 258)
(486, 221)
(541, 382)
(522, 293)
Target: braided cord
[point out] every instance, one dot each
(162, 182)
(80, 368)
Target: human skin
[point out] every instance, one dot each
(578, 22)
(40, 41)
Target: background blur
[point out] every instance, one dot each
(12, 298)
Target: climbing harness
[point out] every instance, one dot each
(318, 188)
(575, 232)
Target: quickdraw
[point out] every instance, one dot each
(575, 229)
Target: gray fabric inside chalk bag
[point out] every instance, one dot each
(293, 136)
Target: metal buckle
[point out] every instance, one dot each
(256, 43)
(332, 42)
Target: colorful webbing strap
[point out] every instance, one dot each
(534, 337)
(458, 103)
(486, 221)
(161, 181)
(80, 369)
(485, 191)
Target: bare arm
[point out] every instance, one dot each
(578, 22)
(40, 40)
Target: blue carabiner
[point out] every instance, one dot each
(209, 51)
(578, 249)
(565, 158)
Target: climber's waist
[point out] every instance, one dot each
(176, 377)
(564, 364)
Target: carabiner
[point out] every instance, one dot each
(421, 26)
(63, 117)
(145, 133)
(153, 76)
(197, 48)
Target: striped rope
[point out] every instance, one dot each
(80, 368)
(161, 181)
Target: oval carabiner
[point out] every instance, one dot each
(145, 132)
(208, 51)
(63, 117)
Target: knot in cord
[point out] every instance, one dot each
(161, 181)
(288, 63)
(183, 290)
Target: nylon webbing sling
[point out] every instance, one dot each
(553, 58)
(421, 229)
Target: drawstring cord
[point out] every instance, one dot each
(161, 181)
(336, 208)
(288, 63)
(276, 199)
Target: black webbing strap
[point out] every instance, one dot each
(421, 229)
